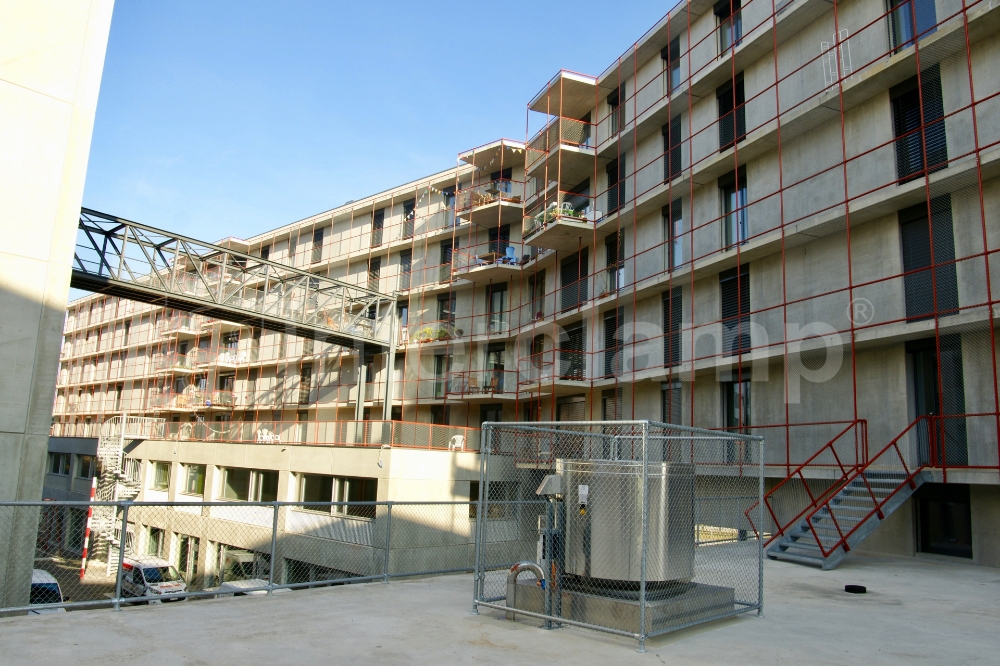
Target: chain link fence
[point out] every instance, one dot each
(190, 550)
(630, 527)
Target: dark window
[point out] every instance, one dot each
(930, 282)
(916, 148)
(316, 488)
(672, 149)
(409, 214)
(378, 223)
(673, 307)
(499, 239)
(317, 246)
(614, 253)
(356, 489)
(673, 228)
(441, 414)
(734, 292)
(265, 252)
(305, 383)
(617, 194)
(536, 285)
(939, 390)
(537, 350)
(611, 405)
(944, 519)
(442, 366)
(496, 307)
(444, 274)
(671, 403)
(613, 342)
(505, 174)
(909, 19)
(730, 24)
(374, 268)
(446, 307)
(733, 189)
(732, 112)
(574, 280)
(405, 266)
(496, 354)
(736, 406)
(571, 352)
(616, 106)
(671, 56)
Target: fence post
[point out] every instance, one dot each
(645, 536)
(388, 532)
(477, 537)
(274, 548)
(760, 530)
(121, 556)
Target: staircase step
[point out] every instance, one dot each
(801, 559)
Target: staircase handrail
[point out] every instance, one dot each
(877, 509)
(798, 472)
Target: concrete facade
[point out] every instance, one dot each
(51, 60)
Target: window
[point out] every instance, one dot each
(672, 149)
(356, 489)
(248, 485)
(440, 414)
(733, 190)
(378, 223)
(442, 366)
(448, 194)
(405, 267)
(930, 282)
(611, 404)
(444, 271)
(919, 129)
(496, 307)
(614, 256)
(265, 252)
(316, 488)
(154, 544)
(85, 467)
(496, 354)
(616, 172)
(944, 519)
(734, 292)
(574, 270)
(613, 342)
(673, 234)
(499, 239)
(673, 313)
(537, 350)
(730, 24)
(59, 463)
(161, 476)
(446, 307)
(501, 503)
(374, 269)
(571, 352)
(536, 286)
(317, 246)
(671, 403)
(409, 215)
(293, 242)
(616, 108)
(732, 112)
(909, 19)
(501, 179)
(194, 479)
(671, 56)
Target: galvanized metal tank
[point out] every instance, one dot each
(604, 520)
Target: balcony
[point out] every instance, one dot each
(566, 223)
(492, 266)
(182, 325)
(483, 385)
(491, 204)
(225, 358)
(562, 152)
(556, 371)
(442, 331)
(192, 400)
(176, 362)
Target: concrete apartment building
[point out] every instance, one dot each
(776, 218)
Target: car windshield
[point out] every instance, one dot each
(45, 593)
(241, 571)
(160, 574)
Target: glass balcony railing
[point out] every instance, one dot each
(488, 193)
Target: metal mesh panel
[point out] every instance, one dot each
(632, 527)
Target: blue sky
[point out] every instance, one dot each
(230, 118)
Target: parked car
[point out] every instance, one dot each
(45, 590)
(149, 576)
(244, 570)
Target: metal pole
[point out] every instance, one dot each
(390, 364)
(388, 533)
(760, 531)
(121, 556)
(484, 447)
(274, 547)
(359, 406)
(645, 537)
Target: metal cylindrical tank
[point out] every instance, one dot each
(604, 520)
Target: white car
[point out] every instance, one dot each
(244, 570)
(45, 590)
(150, 576)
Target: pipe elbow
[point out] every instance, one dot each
(525, 566)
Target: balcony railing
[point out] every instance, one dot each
(482, 382)
(182, 322)
(565, 131)
(192, 400)
(176, 361)
(226, 357)
(488, 193)
(565, 205)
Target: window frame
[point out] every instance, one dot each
(155, 481)
(188, 469)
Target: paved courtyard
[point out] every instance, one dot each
(915, 611)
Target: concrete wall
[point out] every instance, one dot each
(51, 60)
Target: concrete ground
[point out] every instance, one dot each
(915, 611)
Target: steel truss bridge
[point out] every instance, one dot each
(138, 262)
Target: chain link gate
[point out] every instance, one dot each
(631, 527)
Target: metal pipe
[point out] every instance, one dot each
(512, 581)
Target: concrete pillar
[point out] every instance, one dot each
(51, 61)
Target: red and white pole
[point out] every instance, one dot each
(86, 531)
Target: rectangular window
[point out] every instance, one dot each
(316, 488)
(305, 384)
(501, 501)
(378, 223)
(441, 414)
(671, 403)
(59, 463)
(536, 286)
(734, 292)
(249, 485)
(614, 253)
(730, 24)
(733, 190)
(671, 57)
(574, 272)
(673, 234)
(444, 271)
(409, 217)
(909, 19)
(919, 127)
(405, 266)
(732, 112)
(161, 476)
(154, 544)
(496, 307)
(317, 245)
(499, 239)
(616, 173)
(672, 149)
(673, 307)
(944, 519)
(571, 352)
(265, 252)
(374, 271)
(446, 307)
(613, 342)
(736, 406)
(194, 481)
(442, 366)
(85, 467)
(930, 280)
(616, 108)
